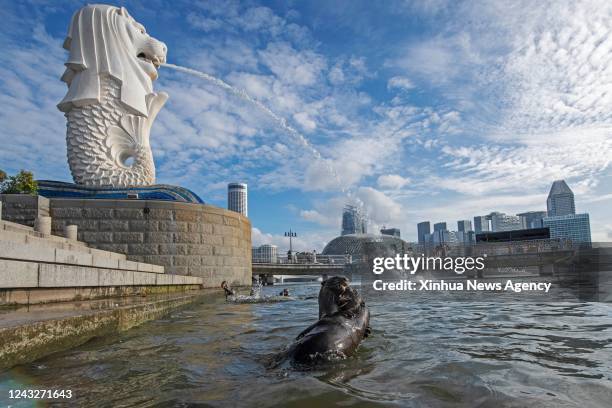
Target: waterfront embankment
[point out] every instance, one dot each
(32, 332)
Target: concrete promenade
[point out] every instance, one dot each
(30, 333)
(41, 268)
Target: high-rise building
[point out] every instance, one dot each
(265, 253)
(574, 227)
(532, 219)
(464, 225)
(440, 226)
(504, 222)
(391, 231)
(237, 198)
(560, 199)
(423, 230)
(354, 221)
(464, 232)
(440, 234)
(445, 237)
(469, 237)
(439, 237)
(481, 224)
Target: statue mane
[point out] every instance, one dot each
(99, 44)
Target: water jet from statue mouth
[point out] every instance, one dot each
(301, 140)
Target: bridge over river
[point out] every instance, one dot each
(320, 265)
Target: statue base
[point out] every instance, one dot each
(163, 192)
(186, 238)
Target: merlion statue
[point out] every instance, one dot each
(110, 105)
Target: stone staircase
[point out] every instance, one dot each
(39, 268)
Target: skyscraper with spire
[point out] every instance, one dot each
(562, 220)
(560, 200)
(354, 220)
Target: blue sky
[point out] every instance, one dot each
(422, 110)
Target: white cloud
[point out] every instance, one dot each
(349, 71)
(229, 16)
(301, 68)
(304, 120)
(392, 181)
(204, 24)
(33, 130)
(326, 212)
(438, 59)
(557, 72)
(400, 82)
(380, 208)
(318, 218)
(303, 242)
(484, 170)
(336, 74)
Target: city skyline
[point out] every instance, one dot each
(560, 220)
(402, 121)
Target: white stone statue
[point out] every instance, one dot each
(110, 105)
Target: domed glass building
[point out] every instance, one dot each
(358, 244)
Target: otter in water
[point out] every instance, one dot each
(228, 291)
(343, 323)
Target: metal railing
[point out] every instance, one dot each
(305, 259)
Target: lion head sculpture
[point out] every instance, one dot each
(106, 40)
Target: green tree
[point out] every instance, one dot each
(21, 183)
(2, 176)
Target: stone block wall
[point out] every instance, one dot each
(190, 239)
(24, 208)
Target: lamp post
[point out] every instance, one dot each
(290, 234)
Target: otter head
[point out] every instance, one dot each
(106, 40)
(337, 296)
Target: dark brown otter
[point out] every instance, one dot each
(228, 291)
(343, 323)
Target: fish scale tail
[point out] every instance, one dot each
(100, 139)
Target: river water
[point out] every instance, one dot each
(426, 350)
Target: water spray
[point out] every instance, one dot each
(278, 120)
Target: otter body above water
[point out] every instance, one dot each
(343, 323)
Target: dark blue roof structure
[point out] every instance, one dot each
(164, 192)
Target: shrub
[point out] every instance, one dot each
(21, 183)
